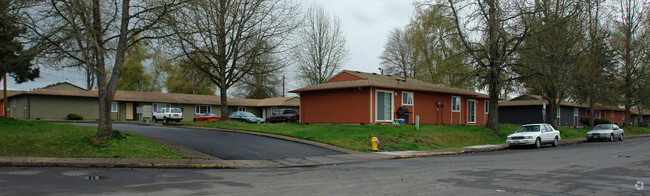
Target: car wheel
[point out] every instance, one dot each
(268, 121)
(164, 119)
(555, 142)
(611, 137)
(538, 143)
(193, 120)
(621, 138)
(288, 121)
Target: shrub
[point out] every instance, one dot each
(601, 121)
(584, 120)
(75, 117)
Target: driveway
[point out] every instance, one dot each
(226, 145)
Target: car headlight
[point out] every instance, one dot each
(528, 137)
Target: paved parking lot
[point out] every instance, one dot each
(227, 145)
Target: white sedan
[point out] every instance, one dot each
(534, 134)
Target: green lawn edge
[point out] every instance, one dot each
(33, 138)
(395, 138)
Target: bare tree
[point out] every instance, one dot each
(224, 38)
(629, 42)
(321, 50)
(397, 57)
(438, 54)
(94, 33)
(491, 31)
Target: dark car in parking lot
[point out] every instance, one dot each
(283, 115)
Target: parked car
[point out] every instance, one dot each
(535, 135)
(245, 117)
(206, 117)
(168, 114)
(605, 132)
(283, 115)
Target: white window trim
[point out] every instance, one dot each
(487, 106)
(575, 112)
(412, 98)
(468, 119)
(392, 106)
(196, 111)
(458, 102)
(114, 106)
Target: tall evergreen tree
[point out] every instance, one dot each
(15, 61)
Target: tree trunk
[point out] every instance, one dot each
(494, 65)
(592, 109)
(4, 93)
(493, 114)
(224, 104)
(106, 91)
(640, 122)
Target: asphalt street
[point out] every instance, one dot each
(226, 145)
(601, 168)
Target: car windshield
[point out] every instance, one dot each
(602, 127)
(247, 114)
(532, 128)
(175, 110)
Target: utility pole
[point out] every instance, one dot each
(4, 101)
(282, 85)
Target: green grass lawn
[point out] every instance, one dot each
(31, 138)
(394, 138)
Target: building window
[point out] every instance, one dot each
(241, 108)
(612, 115)
(273, 109)
(407, 98)
(471, 111)
(575, 111)
(597, 114)
(455, 103)
(157, 106)
(487, 106)
(200, 109)
(114, 106)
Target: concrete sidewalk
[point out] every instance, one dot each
(201, 160)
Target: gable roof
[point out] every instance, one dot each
(64, 86)
(386, 81)
(156, 97)
(9, 93)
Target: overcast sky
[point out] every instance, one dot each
(365, 23)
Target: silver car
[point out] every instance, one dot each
(607, 132)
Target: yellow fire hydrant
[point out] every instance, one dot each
(374, 142)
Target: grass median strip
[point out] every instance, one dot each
(395, 138)
(31, 138)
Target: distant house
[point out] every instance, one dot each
(53, 103)
(526, 109)
(353, 97)
(9, 93)
(636, 117)
(612, 113)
